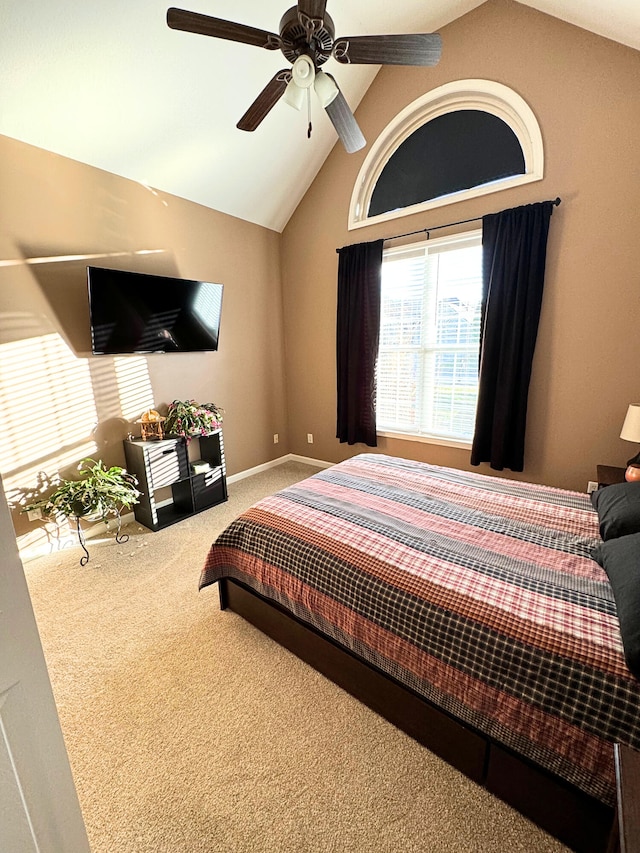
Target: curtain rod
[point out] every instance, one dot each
(555, 202)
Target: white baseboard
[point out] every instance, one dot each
(289, 457)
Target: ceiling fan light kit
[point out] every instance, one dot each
(293, 95)
(303, 71)
(325, 89)
(306, 39)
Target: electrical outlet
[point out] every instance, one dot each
(276, 438)
(591, 487)
(34, 514)
(309, 438)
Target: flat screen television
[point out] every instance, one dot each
(133, 312)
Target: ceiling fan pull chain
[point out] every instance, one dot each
(309, 129)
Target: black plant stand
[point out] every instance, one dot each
(121, 538)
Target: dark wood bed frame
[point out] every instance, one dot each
(575, 818)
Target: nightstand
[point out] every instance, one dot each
(609, 475)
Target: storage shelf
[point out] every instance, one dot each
(168, 515)
(162, 465)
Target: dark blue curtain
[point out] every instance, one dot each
(514, 246)
(357, 337)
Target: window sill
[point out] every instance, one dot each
(426, 439)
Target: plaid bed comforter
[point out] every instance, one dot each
(478, 593)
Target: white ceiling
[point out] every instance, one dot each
(109, 84)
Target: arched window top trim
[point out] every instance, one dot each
(485, 95)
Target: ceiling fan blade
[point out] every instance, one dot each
(345, 123)
(412, 49)
(194, 22)
(266, 100)
(311, 14)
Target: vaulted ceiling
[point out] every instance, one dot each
(110, 85)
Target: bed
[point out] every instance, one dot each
(467, 609)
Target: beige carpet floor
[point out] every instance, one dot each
(191, 732)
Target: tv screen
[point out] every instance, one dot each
(134, 312)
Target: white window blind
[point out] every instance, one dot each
(427, 371)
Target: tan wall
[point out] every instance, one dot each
(52, 207)
(584, 92)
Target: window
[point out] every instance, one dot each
(459, 141)
(427, 371)
(452, 153)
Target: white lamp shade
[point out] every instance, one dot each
(631, 425)
(326, 89)
(294, 95)
(303, 71)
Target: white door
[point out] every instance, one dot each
(39, 809)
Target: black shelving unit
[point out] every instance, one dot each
(171, 491)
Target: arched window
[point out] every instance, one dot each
(461, 140)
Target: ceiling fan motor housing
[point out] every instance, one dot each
(296, 40)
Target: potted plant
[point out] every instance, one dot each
(98, 493)
(188, 418)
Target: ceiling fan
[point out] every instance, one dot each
(307, 40)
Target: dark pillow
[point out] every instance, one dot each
(618, 509)
(620, 558)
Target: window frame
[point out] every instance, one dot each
(484, 95)
(468, 236)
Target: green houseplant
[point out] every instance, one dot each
(100, 492)
(189, 418)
